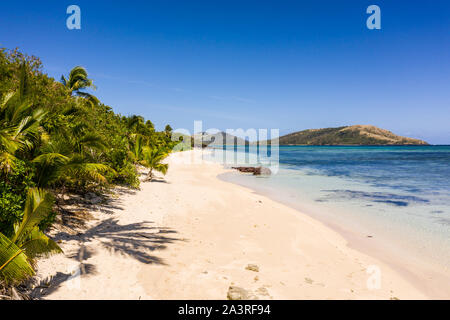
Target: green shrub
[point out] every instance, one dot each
(48, 221)
(128, 175)
(13, 192)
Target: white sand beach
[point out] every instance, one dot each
(191, 236)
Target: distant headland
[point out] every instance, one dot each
(364, 135)
(348, 135)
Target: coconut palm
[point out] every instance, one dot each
(58, 169)
(136, 148)
(28, 242)
(19, 125)
(71, 157)
(152, 158)
(77, 82)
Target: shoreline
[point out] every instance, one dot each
(426, 276)
(191, 236)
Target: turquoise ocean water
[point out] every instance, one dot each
(395, 196)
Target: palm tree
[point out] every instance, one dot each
(77, 82)
(168, 130)
(152, 161)
(133, 122)
(56, 168)
(136, 149)
(7, 147)
(71, 157)
(15, 265)
(28, 242)
(19, 124)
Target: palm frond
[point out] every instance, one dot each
(89, 98)
(7, 140)
(78, 79)
(162, 167)
(51, 157)
(23, 81)
(14, 264)
(89, 171)
(38, 205)
(64, 81)
(92, 140)
(40, 245)
(7, 162)
(48, 168)
(5, 100)
(152, 158)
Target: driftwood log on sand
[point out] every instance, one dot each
(255, 170)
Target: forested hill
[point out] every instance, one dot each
(349, 135)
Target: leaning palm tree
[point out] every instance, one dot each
(77, 82)
(28, 241)
(152, 161)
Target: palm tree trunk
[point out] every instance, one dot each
(150, 175)
(63, 192)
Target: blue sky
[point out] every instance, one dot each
(252, 64)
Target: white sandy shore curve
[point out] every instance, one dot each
(191, 236)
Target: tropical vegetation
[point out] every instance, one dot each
(57, 138)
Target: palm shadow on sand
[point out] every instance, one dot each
(136, 240)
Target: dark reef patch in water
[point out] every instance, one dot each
(380, 197)
(396, 203)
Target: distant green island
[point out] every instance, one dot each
(347, 135)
